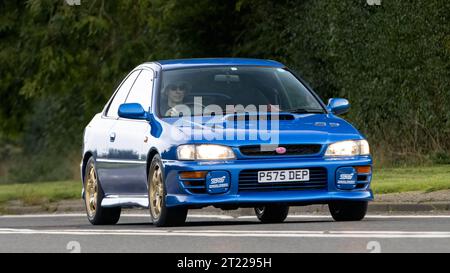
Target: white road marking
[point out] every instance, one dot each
(236, 233)
(221, 216)
(135, 215)
(230, 233)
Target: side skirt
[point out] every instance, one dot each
(125, 201)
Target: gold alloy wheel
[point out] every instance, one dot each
(156, 192)
(91, 191)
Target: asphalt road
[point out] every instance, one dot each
(223, 234)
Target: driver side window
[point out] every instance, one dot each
(121, 95)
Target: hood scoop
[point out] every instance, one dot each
(257, 116)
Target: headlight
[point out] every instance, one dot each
(348, 148)
(204, 152)
(186, 152)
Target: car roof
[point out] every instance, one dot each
(205, 62)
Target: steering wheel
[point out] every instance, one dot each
(175, 111)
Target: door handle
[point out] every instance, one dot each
(112, 137)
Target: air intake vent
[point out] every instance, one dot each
(289, 149)
(248, 116)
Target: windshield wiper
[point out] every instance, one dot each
(304, 111)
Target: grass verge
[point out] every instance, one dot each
(427, 179)
(39, 193)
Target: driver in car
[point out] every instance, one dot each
(174, 94)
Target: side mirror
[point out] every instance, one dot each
(132, 111)
(338, 106)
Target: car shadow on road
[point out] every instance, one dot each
(228, 223)
(239, 223)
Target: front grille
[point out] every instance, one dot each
(248, 181)
(291, 149)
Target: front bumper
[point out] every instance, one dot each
(177, 195)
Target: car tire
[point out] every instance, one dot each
(348, 210)
(272, 213)
(93, 196)
(162, 216)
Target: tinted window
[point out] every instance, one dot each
(141, 92)
(121, 95)
(272, 88)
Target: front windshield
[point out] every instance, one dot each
(242, 89)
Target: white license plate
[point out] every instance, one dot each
(283, 176)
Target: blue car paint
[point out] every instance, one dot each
(122, 165)
(331, 192)
(209, 62)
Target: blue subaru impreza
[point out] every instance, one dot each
(227, 132)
